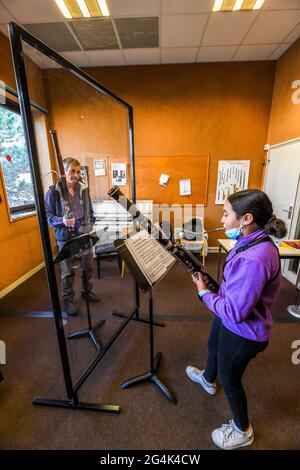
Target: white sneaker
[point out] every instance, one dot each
(196, 375)
(228, 436)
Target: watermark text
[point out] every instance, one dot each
(296, 354)
(2, 352)
(296, 93)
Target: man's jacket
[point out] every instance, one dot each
(55, 214)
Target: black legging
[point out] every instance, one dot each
(228, 357)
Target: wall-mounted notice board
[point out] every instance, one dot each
(179, 167)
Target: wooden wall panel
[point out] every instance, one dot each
(219, 109)
(35, 82)
(285, 114)
(193, 167)
(6, 65)
(34, 76)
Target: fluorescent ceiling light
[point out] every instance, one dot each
(218, 5)
(258, 4)
(103, 7)
(237, 5)
(83, 8)
(62, 6)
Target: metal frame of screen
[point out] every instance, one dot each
(17, 34)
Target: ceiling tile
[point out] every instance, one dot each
(295, 34)
(105, 58)
(31, 11)
(95, 34)
(55, 35)
(272, 26)
(216, 53)
(279, 51)
(138, 32)
(78, 58)
(176, 55)
(142, 56)
(170, 7)
(182, 30)
(280, 4)
(256, 52)
(134, 7)
(179, 27)
(227, 28)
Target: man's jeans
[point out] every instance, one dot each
(68, 274)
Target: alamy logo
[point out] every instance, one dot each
(2, 352)
(296, 354)
(2, 92)
(296, 94)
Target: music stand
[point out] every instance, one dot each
(78, 247)
(144, 285)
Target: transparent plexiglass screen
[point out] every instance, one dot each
(91, 129)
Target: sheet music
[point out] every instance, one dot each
(153, 260)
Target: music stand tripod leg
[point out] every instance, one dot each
(90, 331)
(151, 376)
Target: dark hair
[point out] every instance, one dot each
(257, 203)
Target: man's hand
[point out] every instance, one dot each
(69, 222)
(198, 280)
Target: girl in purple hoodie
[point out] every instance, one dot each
(243, 321)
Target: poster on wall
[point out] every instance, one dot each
(118, 171)
(233, 176)
(99, 167)
(185, 187)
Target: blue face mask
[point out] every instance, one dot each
(234, 233)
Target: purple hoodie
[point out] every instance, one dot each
(245, 297)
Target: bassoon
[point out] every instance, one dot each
(62, 184)
(184, 257)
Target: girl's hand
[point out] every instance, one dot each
(198, 280)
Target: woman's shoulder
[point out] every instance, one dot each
(265, 254)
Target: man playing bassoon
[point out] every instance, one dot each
(68, 223)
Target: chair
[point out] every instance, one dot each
(108, 250)
(194, 237)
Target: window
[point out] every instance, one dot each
(15, 162)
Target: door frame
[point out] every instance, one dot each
(296, 208)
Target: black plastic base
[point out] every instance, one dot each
(90, 332)
(151, 376)
(79, 406)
